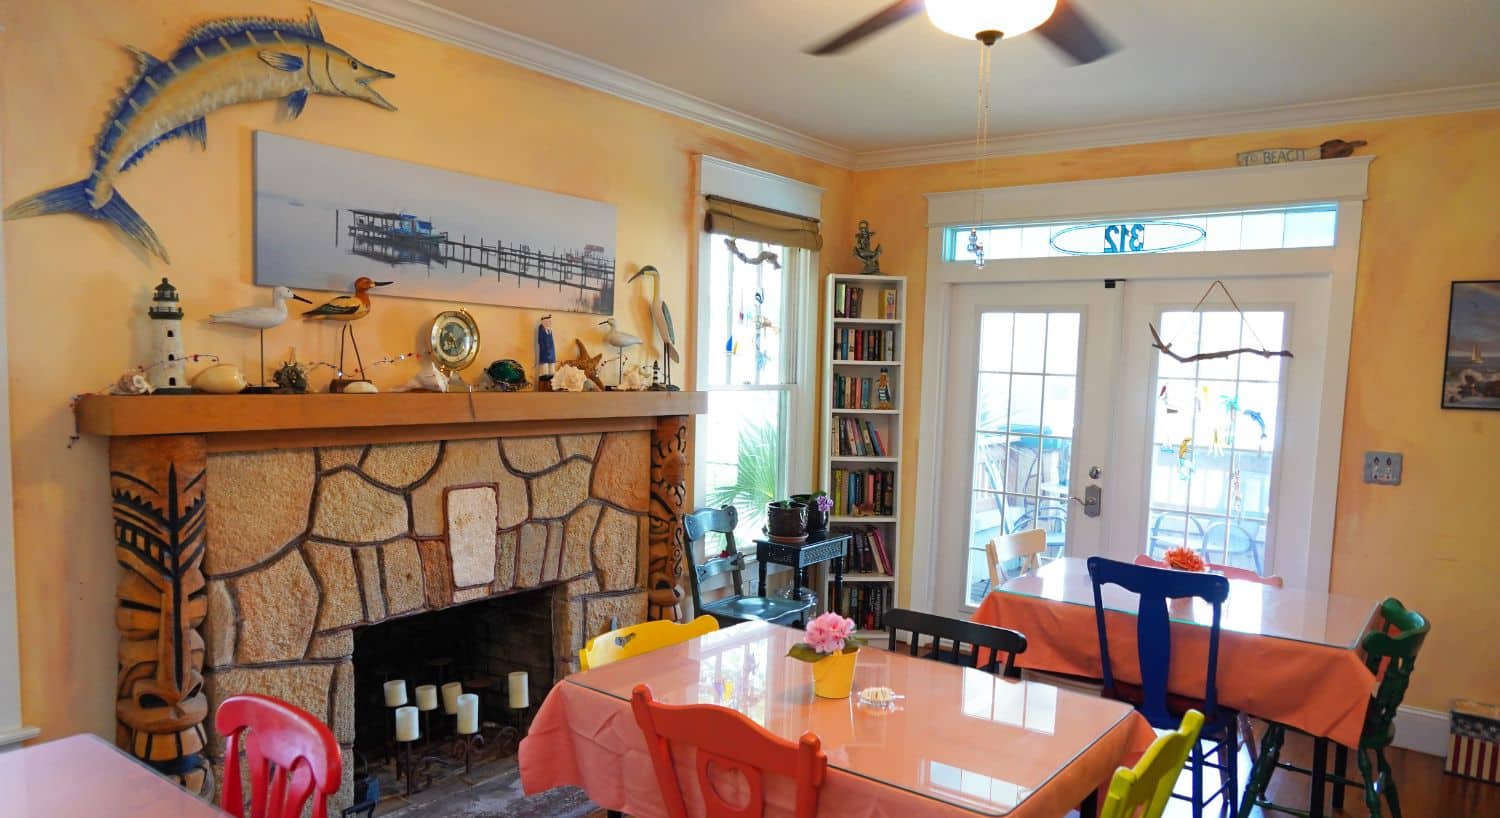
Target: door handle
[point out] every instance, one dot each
(1092, 500)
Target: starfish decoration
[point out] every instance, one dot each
(589, 364)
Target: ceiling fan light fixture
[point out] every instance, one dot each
(988, 20)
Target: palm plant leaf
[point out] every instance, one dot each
(756, 475)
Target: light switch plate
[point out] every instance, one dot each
(1383, 468)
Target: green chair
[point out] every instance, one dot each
(1143, 791)
(1396, 645)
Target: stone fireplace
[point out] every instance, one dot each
(254, 553)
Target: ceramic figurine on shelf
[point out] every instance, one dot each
(883, 389)
(569, 378)
(221, 379)
(661, 317)
(546, 354)
(620, 341)
(635, 379)
(260, 318)
(168, 370)
(346, 309)
(863, 251)
(131, 383)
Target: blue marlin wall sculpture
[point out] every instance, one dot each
(220, 63)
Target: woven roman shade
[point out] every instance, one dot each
(746, 221)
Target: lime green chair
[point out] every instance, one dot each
(1143, 791)
(623, 643)
(1395, 644)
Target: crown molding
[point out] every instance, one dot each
(465, 32)
(1358, 109)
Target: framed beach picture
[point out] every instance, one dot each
(1471, 373)
(325, 216)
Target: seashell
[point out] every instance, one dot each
(569, 379)
(222, 379)
(132, 383)
(360, 388)
(429, 379)
(635, 379)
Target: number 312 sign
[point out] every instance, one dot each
(1106, 238)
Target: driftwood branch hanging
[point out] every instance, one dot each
(1166, 348)
(765, 255)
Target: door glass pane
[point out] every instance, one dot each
(1023, 432)
(1214, 437)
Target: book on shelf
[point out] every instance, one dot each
(858, 437)
(866, 604)
(854, 344)
(863, 492)
(888, 303)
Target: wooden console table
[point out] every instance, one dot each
(799, 557)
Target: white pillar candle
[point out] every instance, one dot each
(395, 693)
(451, 693)
(427, 697)
(468, 714)
(520, 690)
(406, 724)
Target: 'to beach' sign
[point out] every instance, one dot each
(1104, 238)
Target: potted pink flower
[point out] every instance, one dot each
(832, 648)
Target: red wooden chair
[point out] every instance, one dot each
(731, 743)
(291, 753)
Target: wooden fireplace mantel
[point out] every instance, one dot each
(249, 422)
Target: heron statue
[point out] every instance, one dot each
(661, 316)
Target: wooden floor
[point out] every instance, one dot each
(1426, 792)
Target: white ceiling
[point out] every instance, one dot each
(913, 85)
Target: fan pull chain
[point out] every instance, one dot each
(981, 139)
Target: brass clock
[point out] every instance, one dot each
(454, 340)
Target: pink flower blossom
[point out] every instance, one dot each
(828, 633)
(824, 503)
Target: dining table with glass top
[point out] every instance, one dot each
(84, 775)
(1285, 654)
(960, 742)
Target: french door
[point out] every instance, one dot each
(1060, 415)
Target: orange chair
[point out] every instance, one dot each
(730, 742)
(1229, 571)
(291, 753)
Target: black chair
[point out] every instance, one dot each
(1162, 708)
(732, 610)
(958, 632)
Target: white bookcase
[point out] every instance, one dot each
(860, 437)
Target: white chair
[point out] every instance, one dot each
(1027, 546)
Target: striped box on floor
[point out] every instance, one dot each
(1474, 741)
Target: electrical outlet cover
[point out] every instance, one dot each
(1383, 468)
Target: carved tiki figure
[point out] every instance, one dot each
(669, 468)
(157, 493)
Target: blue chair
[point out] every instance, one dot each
(1154, 651)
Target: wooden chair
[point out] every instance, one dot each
(731, 610)
(729, 742)
(623, 643)
(986, 642)
(1395, 645)
(291, 753)
(1229, 571)
(1027, 546)
(1143, 791)
(1154, 655)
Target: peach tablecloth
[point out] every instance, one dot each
(1320, 689)
(963, 743)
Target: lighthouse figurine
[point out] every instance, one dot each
(168, 372)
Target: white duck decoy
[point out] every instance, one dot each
(661, 316)
(260, 318)
(621, 341)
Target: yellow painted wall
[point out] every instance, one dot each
(1430, 218)
(76, 292)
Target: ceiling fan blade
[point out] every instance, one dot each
(888, 16)
(1075, 35)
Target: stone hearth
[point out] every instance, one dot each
(306, 545)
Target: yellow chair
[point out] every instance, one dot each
(1142, 791)
(623, 643)
(1028, 546)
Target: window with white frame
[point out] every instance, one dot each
(755, 308)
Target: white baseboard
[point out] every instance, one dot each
(1422, 730)
(13, 738)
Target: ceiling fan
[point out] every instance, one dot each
(1059, 21)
